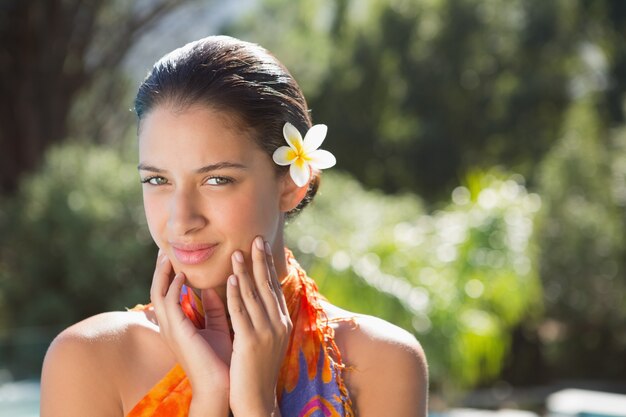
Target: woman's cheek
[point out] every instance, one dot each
(249, 217)
(241, 222)
(266, 217)
(154, 218)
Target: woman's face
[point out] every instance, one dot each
(208, 190)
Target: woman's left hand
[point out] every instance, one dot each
(262, 327)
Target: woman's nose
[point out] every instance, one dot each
(186, 215)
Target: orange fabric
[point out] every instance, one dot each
(311, 333)
(312, 336)
(171, 396)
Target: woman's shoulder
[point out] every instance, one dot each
(87, 362)
(109, 338)
(367, 333)
(386, 364)
(103, 331)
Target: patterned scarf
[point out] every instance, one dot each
(310, 382)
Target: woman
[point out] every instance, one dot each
(234, 326)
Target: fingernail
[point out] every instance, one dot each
(238, 256)
(259, 243)
(232, 280)
(164, 259)
(268, 248)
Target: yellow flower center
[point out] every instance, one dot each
(298, 155)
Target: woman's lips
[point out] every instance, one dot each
(195, 256)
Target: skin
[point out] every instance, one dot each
(105, 364)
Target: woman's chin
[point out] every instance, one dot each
(203, 281)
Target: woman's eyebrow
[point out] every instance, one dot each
(202, 170)
(219, 165)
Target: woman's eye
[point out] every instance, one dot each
(218, 181)
(154, 181)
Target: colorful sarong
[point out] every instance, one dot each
(310, 382)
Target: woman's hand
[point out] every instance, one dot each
(204, 354)
(262, 327)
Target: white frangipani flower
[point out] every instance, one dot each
(303, 155)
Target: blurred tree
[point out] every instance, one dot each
(604, 25)
(419, 92)
(460, 278)
(73, 244)
(583, 263)
(50, 52)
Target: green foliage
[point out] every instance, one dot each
(431, 89)
(583, 263)
(74, 244)
(459, 278)
(583, 221)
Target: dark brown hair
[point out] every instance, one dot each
(237, 77)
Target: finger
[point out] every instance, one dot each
(236, 307)
(160, 284)
(278, 289)
(171, 303)
(174, 289)
(248, 292)
(161, 277)
(263, 280)
(214, 311)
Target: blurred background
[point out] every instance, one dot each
(479, 199)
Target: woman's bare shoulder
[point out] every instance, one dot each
(85, 362)
(100, 336)
(388, 372)
(371, 333)
(104, 327)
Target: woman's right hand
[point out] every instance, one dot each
(204, 354)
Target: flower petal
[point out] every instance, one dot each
(284, 155)
(314, 137)
(300, 173)
(321, 159)
(292, 136)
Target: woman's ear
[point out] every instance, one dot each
(291, 195)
